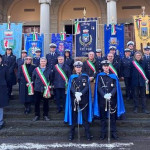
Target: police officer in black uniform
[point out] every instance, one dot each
(20, 61)
(3, 91)
(130, 45)
(107, 90)
(126, 63)
(59, 83)
(10, 61)
(36, 59)
(52, 56)
(146, 53)
(113, 50)
(99, 58)
(68, 60)
(80, 84)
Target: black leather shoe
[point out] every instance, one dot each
(103, 136)
(115, 136)
(45, 118)
(71, 137)
(36, 118)
(145, 111)
(135, 110)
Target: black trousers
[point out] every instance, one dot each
(139, 92)
(84, 117)
(60, 97)
(104, 120)
(127, 82)
(38, 96)
(9, 86)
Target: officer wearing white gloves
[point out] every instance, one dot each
(106, 91)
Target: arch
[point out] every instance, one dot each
(66, 11)
(18, 13)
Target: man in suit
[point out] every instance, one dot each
(61, 73)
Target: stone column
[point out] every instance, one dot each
(111, 11)
(45, 22)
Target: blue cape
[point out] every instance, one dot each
(120, 102)
(68, 107)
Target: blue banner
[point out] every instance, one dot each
(62, 44)
(114, 40)
(11, 36)
(86, 40)
(31, 44)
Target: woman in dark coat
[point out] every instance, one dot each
(26, 90)
(10, 61)
(3, 90)
(68, 60)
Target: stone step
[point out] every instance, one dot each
(63, 131)
(13, 123)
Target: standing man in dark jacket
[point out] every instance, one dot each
(26, 90)
(139, 81)
(3, 90)
(61, 73)
(126, 63)
(68, 60)
(20, 61)
(130, 45)
(89, 67)
(99, 58)
(36, 59)
(146, 53)
(112, 50)
(10, 61)
(41, 78)
(52, 56)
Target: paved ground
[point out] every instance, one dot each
(43, 143)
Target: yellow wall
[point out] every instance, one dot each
(16, 11)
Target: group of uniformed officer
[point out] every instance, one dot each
(94, 82)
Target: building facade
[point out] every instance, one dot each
(54, 16)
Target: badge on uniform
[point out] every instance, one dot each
(84, 81)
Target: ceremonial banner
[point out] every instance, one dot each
(85, 36)
(63, 42)
(142, 31)
(33, 42)
(11, 36)
(114, 36)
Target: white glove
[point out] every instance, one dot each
(78, 96)
(108, 96)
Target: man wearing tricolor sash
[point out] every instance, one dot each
(89, 67)
(114, 65)
(78, 109)
(139, 82)
(61, 73)
(42, 79)
(108, 93)
(26, 89)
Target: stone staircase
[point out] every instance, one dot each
(19, 124)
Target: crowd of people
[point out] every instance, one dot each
(82, 90)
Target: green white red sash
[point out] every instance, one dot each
(91, 65)
(112, 69)
(140, 70)
(62, 73)
(28, 80)
(46, 93)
